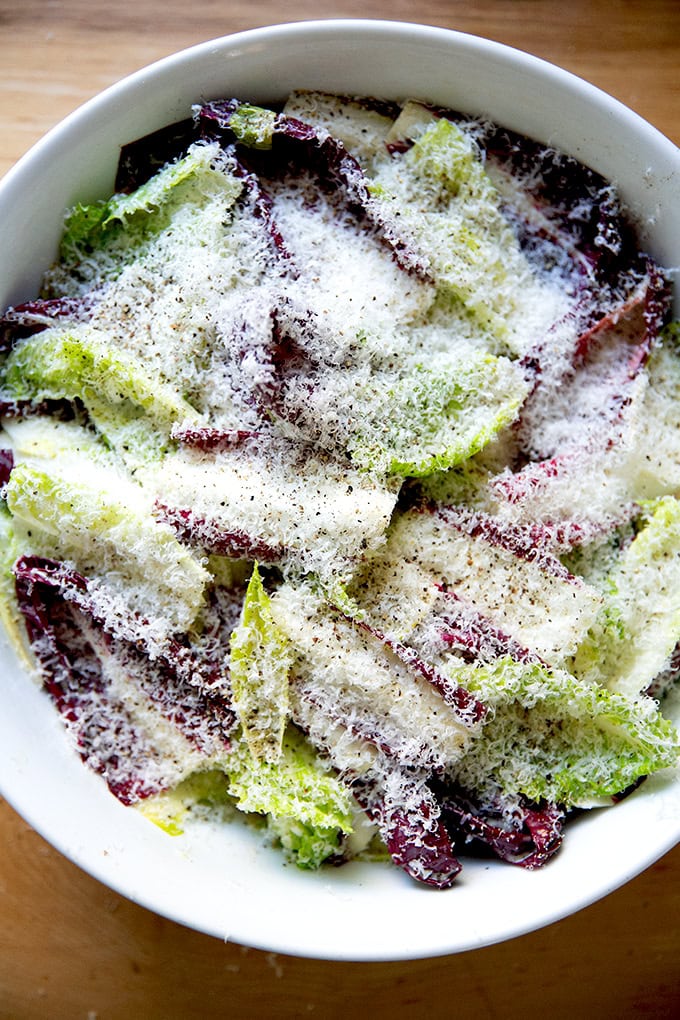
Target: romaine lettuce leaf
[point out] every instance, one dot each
(259, 664)
(553, 737)
(58, 364)
(132, 218)
(303, 807)
(84, 522)
(434, 419)
(448, 206)
(253, 125)
(638, 628)
(12, 545)
(199, 794)
(309, 809)
(425, 418)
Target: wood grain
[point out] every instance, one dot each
(69, 947)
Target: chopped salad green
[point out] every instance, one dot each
(341, 485)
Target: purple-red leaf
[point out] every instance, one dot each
(209, 535)
(34, 316)
(72, 676)
(533, 836)
(6, 465)
(415, 836)
(423, 852)
(211, 440)
(141, 159)
(466, 705)
(527, 542)
(475, 636)
(71, 644)
(299, 147)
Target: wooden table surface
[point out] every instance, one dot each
(69, 947)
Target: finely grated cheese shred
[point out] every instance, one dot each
(341, 466)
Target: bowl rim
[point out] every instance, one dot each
(104, 868)
(383, 26)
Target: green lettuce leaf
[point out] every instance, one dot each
(550, 736)
(308, 809)
(12, 545)
(131, 408)
(59, 364)
(253, 125)
(446, 202)
(87, 524)
(259, 663)
(435, 417)
(129, 220)
(201, 794)
(638, 627)
(304, 809)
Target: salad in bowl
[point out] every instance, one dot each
(340, 466)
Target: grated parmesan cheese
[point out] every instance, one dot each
(326, 473)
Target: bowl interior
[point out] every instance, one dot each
(223, 881)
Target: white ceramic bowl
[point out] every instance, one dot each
(223, 881)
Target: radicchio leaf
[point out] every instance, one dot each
(529, 543)
(415, 836)
(141, 159)
(261, 206)
(34, 316)
(465, 704)
(68, 638)
(73, 678)
(474, 636)
(209, 439)
(291, 145)
(6, 465)
(532, 838)
(208, 535)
